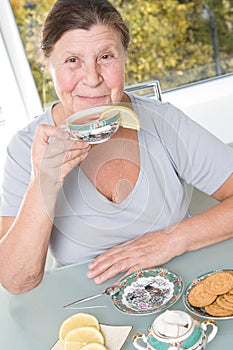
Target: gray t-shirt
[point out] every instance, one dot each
(174, 152)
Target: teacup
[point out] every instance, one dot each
(87, 126)
(176, 330)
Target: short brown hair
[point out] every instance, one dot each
(66, 15)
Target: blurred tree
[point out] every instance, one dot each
(170, 40)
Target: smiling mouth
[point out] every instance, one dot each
(92, 97)
(96, 100)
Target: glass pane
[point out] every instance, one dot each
(179, 42)
(174, 41)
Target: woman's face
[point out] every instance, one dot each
(88, 68)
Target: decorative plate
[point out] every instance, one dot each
(148, 291)
(200, 311)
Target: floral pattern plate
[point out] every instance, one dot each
(200, 311)
(148, 291)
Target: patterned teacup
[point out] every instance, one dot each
(87, 126)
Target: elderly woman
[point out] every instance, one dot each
(123, 204)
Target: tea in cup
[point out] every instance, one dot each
(87, 125)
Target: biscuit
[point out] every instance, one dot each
(230, 272)
(229, 297)
(218, 283)
(215, 310)
(221, 301)
(199, 297)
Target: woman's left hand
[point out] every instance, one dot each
(150, 250)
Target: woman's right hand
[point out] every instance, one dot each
(54, 155)
(26, 236)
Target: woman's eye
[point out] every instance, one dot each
(71, 60)
(105, 57)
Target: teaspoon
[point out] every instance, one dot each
(108, 291)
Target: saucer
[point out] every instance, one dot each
(148, 291)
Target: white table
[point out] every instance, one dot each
(31, 321)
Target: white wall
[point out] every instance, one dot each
(210, 103)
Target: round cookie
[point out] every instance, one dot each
(218, 283)
(229, 297)
(221, 301)
(199, 297)
(215, 310)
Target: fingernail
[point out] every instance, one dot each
(97, 280)
(89, 274)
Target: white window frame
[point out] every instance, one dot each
(19, 98)
(21, 90)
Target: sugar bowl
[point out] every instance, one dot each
(176, 330)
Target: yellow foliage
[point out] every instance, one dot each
(170, 40)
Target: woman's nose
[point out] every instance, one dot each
(91, 75)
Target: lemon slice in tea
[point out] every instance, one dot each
(128, 118)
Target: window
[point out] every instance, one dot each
(19, 99)
(175, 41)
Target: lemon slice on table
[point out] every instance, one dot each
(90, 346)
(73, 346)
(128, 118)
(77, 321)
(82, 337)
(94, 346)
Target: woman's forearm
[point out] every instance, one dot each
(210, 227)
(24, 246)
(24, 243)
(157, 248)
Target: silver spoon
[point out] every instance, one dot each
(108, 291)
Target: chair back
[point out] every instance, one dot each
(149, 89)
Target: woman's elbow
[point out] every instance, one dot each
(17, 287)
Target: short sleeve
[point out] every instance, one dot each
(17, 170)
(199, 157)
(16, 176)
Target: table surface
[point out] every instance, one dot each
(31, 321)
